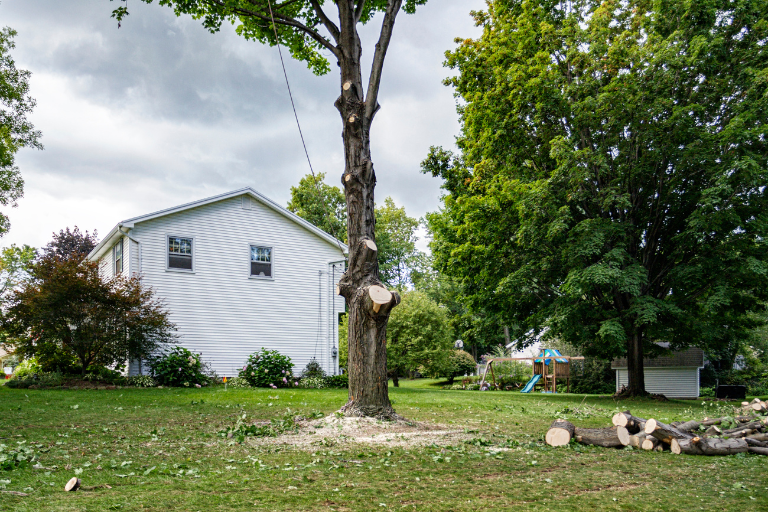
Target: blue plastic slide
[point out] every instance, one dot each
(528, 387)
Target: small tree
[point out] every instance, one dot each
(321, 204)
(67, 310)
(420, 336)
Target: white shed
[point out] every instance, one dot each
(674, 376)
(237, 272)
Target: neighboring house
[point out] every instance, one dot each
(237, 272)
(675, 375)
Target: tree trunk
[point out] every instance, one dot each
(368, 300)
(635, 371)
(395, 380)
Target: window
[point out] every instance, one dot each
(117, 258)
(179, 253)
(261, 261)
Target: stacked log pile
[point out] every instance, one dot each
(711, 436)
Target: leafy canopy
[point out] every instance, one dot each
(301, 25)
(611, 181)
(16, 131)
(321, 204)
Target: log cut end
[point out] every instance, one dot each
(73, 484)
(379, 296)
(559, 433)
(623, 435)
(619, 419)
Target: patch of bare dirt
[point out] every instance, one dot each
(333, 430)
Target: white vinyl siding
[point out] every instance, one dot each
(107, 261)
(224, 314)
(680, 382)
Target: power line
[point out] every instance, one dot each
(298, 124)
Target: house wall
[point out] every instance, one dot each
(680, 382)
(221, 311)
(130, 252)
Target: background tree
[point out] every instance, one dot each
(16, 131)
(397, 243)
(306, 29)
(14, 266)
(66, 311)
(72, 244)
(321, 204)
(611, 182)
(420, 337)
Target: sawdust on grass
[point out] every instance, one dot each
(334, 430)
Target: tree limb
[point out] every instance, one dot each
(330, 25)
(359, 10)
(371, 100)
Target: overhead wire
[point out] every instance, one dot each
(301, 134)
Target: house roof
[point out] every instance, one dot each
(117, 231)
(692, 357)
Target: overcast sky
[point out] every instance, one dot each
(161, 112)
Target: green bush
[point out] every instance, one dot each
(598, 378)
(27, 368)
(460, 363)
(39, 380)
(337, 381)
(238, 383)
(141, 381)
(312, 383)
(707, 392)
(267, 368)
(179, 367)
(313, 370)
(105, 375)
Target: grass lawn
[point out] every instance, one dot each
(158, 449)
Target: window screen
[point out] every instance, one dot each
(261, 261)
(179, 253)
(117, 256)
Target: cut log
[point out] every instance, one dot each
(73, 484)
(636, 440)
(559, 433)
(755, 442)
(623, 434)
(745, 426)
(605, 437)
(713, 431)
(759, 437)
(757, 449)
(708, 446)
(759, 407)
(689, 426)
(741, 433)
(632, 423)
(663, 432)
(755, 401)
(649, 443)
(716, 421)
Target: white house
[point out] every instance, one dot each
(237, 272)
(675, 375)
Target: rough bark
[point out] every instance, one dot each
(758, 450)
(636, 385)
(663, 432)
(688, 426)
(368, 313)
(632, 423)
(559, 433)
(605, 437)
(759, 437)
(709, 446)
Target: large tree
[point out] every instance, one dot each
(307, 29)
(16, 131)
(611, 184)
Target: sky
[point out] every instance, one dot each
(160, 112)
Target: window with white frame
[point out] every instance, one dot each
(117, 258)
(261, 261)
(179, 253)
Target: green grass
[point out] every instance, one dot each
(116, 437)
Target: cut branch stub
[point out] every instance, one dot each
(380, 296)
(73, 484)
(346, 85)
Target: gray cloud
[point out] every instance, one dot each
(161, 112)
